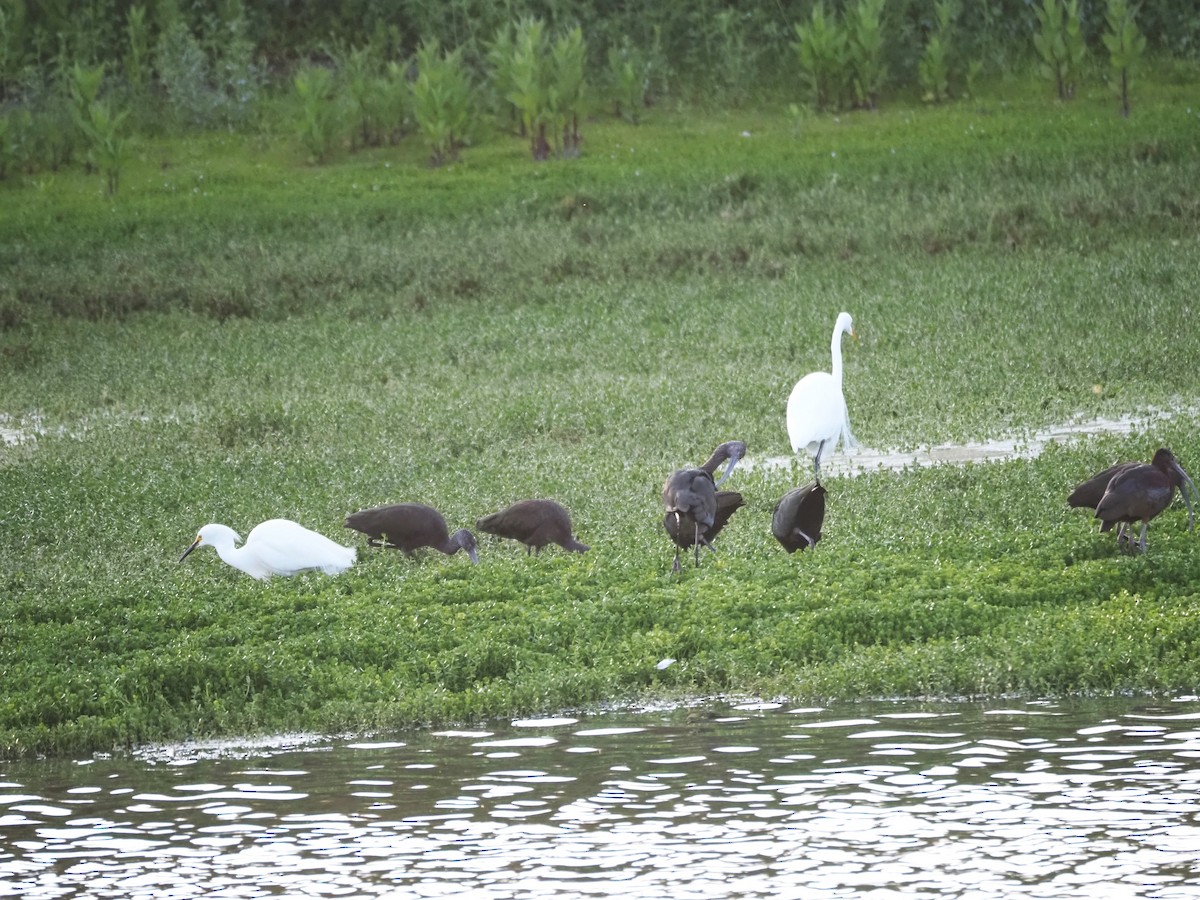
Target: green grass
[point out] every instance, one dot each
(238, 336)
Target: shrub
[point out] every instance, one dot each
(99, 124)
(568, 88)
(628, 78)
(820, 46)
(1060, 44)
(865, 51)
(441, 97)
(321, 123)
(934, 67)
(1126, 45)
(183, 74)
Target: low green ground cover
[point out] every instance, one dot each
(238, 336)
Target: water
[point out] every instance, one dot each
(1030, 446)
(755, 800)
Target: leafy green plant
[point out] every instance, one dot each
(13, 40)
(1126, 45)
(501, 54)
(359, 79)
(820, 46)
(734, 57)
(99, 124)
(865, 50)
(935, 65)
(530, 79)
(628, 78)
(238, 79)
(1059, 43)
(441, 96)
(184, 75)
(137, 51)
(9, 153)
(321, 126)
(568, 94)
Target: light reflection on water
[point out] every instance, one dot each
(758, 800)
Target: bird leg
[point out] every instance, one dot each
(811, 542)
(1142, 542)
(675, 567)
(817, 460)
(696, 545)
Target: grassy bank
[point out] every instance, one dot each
(239, 336)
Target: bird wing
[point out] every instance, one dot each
(285, 548)
(1140, 491)
(1088, 493)
(691, 492)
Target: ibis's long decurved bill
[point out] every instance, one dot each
(1187, 482)
(734, 455)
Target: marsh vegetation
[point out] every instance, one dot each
(236, 334)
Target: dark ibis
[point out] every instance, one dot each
(689, 497)
(535, 523)
(682, 528)
(798, 516)
(1139, 493)
(409, 527)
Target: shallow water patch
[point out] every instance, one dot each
(869, 459)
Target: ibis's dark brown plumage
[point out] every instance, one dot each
(689, 497)
(1087, 494)
(535, 523)
(1138, 493)
(682, 529)
(409, 527)
(798, 516)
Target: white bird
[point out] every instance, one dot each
(816, 408)
(275, 547)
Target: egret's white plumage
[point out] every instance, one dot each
(275, 547)
(816, 408)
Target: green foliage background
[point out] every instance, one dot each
(238, 334)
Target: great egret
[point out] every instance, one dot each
(410, 526)
(816, 408)
(798, 516)
(274, 547)
(535, 523)
(1141, 492)
(690, 495)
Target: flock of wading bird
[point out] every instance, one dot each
(694, 510)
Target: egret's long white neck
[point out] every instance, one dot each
(835, 350)
(232, 555)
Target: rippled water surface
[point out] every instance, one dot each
(757, 800)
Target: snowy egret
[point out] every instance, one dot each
(1141, 492)
(689, 497)
(410, 526)
(275, 547)
(798, 516)
(535, 523)
(816, 408)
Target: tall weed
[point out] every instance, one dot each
(442, 101)
(1059, 43)
(820, 46)
(1126, 46)
(321, 124)
(865, 51)
(628, 79)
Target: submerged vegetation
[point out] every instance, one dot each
(236, 334)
